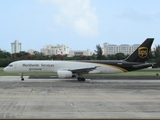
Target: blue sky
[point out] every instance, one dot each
(79, 24)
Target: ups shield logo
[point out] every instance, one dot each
(143, 52)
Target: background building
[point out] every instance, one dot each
(16, 46)
(31, 51)
(55, 50)
(124, 48)
(80, 52)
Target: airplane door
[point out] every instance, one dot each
(15, 65)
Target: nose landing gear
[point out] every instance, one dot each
(22, 79)
(21, 74)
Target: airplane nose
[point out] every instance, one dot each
(5, 69)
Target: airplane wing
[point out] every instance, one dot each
(83, 69)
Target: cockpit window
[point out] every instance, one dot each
(10, 65)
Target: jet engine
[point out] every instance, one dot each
(64, 74)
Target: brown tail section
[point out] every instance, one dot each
(141, 53)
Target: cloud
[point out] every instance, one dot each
(77, 15)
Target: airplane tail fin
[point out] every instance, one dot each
(142, 52)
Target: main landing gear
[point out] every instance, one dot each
(81, 79)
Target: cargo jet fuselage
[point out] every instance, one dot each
(68, 69)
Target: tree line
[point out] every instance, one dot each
(6, 57)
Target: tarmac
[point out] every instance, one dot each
(70, 99)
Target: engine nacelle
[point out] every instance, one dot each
(64, 74)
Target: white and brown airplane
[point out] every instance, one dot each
(68, 69)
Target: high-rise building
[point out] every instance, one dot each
(16, 46)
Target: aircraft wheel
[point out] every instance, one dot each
(81, 79)
(22, 79)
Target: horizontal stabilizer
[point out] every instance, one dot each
(143, 65)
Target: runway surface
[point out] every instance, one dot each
(68, 98)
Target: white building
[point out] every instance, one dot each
(80, 52)
(55, 50)
(16, 46)
(124, 48)
(31, 51)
